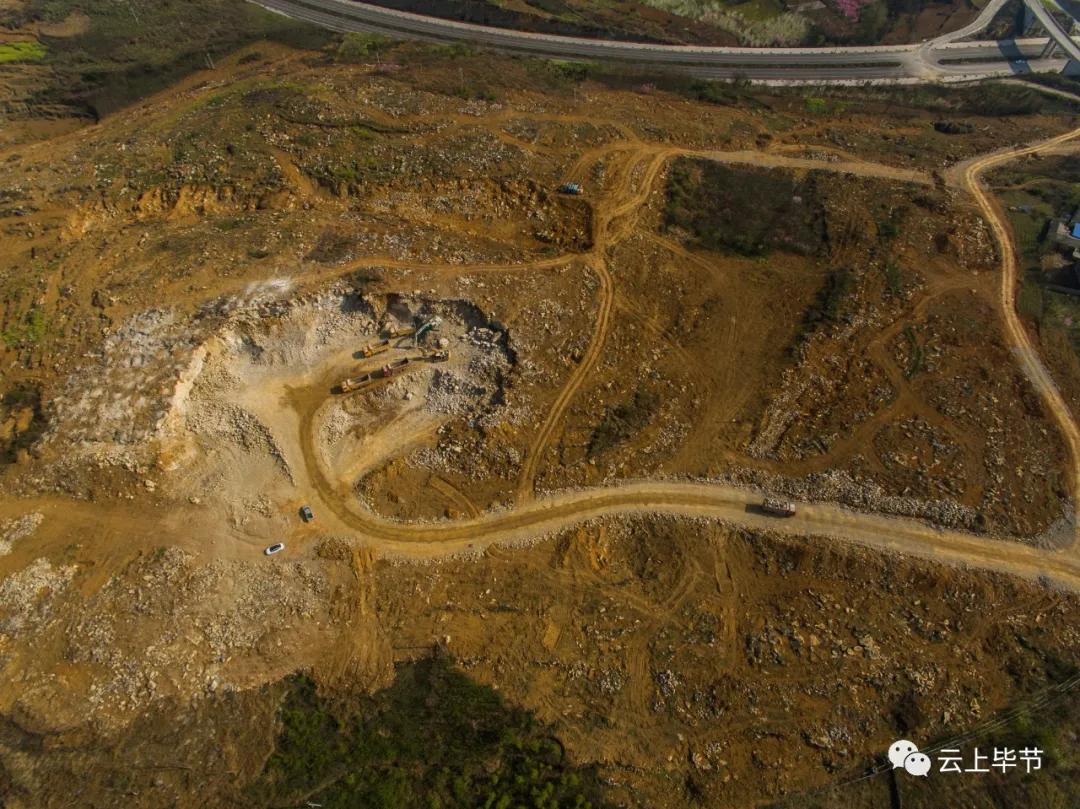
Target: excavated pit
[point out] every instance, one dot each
(265, 421)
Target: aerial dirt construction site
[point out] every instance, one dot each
(671, 419)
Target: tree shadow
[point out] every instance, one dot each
(434, 737)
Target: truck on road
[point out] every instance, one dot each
(775, 507)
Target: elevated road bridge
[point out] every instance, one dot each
(952, 57)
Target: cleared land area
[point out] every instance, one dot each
(533, 427)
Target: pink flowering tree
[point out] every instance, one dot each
(850, 8)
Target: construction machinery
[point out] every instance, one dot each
(355, 383)
(396, 333)
(434, 323)
(375, 348)
(391, 369)
(775, 507)
(438, 356)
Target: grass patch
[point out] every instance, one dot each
(890, 223)
(623, 422)
(838, 286)
(1032, 203)
(1029, 301)
(29, 51)
(746, 211)
(361, 47)
(29, 332)
(333, 247)
(1061, 312)
(827, 306)
(894, 278)
(724, 93)
(816, 105)
(229, 224)
(131, 50)
(986, 99)
(918, 355)
(434, 738)
(1056, 81)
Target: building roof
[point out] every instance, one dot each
(1075, 231)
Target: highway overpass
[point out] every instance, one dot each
(1058, 35)
(946, 58)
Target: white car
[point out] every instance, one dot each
(277, 547)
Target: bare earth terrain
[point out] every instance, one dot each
(534, 428)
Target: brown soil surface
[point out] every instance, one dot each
(191, 280)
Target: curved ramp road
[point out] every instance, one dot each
(1050, 23)
(839, 64)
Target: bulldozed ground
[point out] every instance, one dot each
(777, 291)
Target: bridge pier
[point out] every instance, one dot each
(1048, 49)
(1059, 34)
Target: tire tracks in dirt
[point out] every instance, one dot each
(532, 518)
(551, 514)
(536, 518)
(603, 239)
(454, 495)
(534, 455)
(1017, 333)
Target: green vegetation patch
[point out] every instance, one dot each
(29, 51)
(433, 740)
(130, 50)
(827, 306)
(624, 421)
(27, 332)
(751, 212)
(950, 102)
(361, 47)
(918, 355)
(817, 105)
(894, 278)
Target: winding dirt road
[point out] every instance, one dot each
(1025, 352)
(641, 164)
(533, 518)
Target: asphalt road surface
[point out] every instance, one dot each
(943, 58)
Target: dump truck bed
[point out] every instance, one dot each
(777, 507)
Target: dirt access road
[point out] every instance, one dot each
(532, 518)
(640, 166)
(1025, 352)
